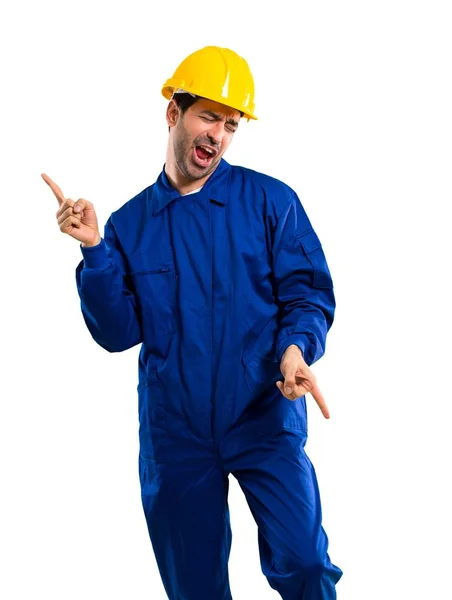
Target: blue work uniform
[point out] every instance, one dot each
(216, 285)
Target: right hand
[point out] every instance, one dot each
(77, 219)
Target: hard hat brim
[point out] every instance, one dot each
(168, 90)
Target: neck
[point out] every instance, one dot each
(181, 183)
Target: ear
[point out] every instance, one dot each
(172, 113)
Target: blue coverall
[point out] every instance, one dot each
(216, 285)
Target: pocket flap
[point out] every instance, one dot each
(144, 262)
(309, 240)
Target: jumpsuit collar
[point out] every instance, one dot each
(216, 187)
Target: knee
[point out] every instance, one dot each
(304, 573)
(309, 563)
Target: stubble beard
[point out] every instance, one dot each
(183, 149)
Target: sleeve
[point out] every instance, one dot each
(108, 305)
(304, 287)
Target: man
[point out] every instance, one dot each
(217, 271)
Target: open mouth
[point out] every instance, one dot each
(204, 155)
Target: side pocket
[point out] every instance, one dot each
(152, 419)
(149, 476)
(312, 247)
(156, 283)
(261, 374)
(259, 333)
(259, 356)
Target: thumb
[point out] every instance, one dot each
(85, 210)
(81, 205)
(289, 381)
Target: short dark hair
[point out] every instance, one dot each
(184, 101)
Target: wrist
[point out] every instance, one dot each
(297, 340)
(293, 348)
(96, 242)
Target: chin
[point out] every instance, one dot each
(197, 172)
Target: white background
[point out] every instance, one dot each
(354, 104)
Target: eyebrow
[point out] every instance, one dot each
(219, 117)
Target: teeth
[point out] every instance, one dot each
(208, 149)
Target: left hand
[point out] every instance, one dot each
(299, 379)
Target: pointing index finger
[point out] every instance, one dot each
(318, 397)
(55, 188)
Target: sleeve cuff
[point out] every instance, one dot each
(95, 257)
(299, 339)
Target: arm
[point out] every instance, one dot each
(304, 287)
(108, 304)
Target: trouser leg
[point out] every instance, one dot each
(187, 514)
(280, 485)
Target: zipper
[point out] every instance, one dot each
(153, 271)
(212, 418)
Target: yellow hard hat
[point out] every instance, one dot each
(218, 74)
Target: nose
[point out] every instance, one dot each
(216, 132)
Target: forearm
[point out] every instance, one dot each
(304, 287)
(305, 323)
(108, 307)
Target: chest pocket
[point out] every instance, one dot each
(312, 247)
(156, 282)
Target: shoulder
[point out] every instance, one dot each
(273, 191)
(134, 207)
(262, 180)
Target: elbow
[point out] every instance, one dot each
(111, 335)
(117, 345)
(114, 349)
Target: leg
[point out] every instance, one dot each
(185, 504)
(281, 489)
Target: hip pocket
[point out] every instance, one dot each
(270, 411)
(152, 419)
(261, 373)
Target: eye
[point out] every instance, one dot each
(209, 120)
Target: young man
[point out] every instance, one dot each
(216, 270)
